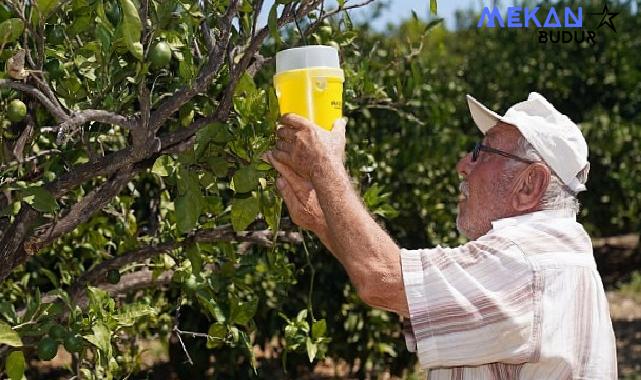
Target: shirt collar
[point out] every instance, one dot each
(532, 217)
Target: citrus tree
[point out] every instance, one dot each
(135, 203)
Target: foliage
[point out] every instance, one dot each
(155, 220)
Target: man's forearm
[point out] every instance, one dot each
(369, 255)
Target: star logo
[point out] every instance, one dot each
(606, 17)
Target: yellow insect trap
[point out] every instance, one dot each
(309, 82)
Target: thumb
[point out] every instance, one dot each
(287, 193)
(339, 125)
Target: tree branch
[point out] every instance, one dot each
(46, 89)
(84, 116)
(56, 111)
(206, 30)
(210, 235)
(12, 252)
(209, 70)
(289, 14)
(25, 139)
(79, 212)
(326, 15)
(129, 282)
(28, 159)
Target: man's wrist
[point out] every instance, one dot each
(327, 170)
(322, 232)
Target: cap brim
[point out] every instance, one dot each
(483, 117)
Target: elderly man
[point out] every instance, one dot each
(521, 300)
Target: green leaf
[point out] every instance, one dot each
(45, 7)
(51, 276)
(11, 30)
(131, 28)
(187, 181)
(245, 86)
(272, 24)
(214, 132)
(301, 316)
(187, 212)
(190, 202)
(242, 312)
(271, 207)
(311, 349)
(218, 165)
(319, 328)
(8, 336)
(433, 7)
(249, 350)
(216, 335)
(245, 179)
(15, 365)
(132, 313)
(100, 338)
(163, 166)
(8, 311)
(196, 259)
(243, 212)
(40, 199)
(273, 110)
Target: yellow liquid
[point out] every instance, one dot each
(315, 93)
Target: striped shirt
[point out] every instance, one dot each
(524, 301)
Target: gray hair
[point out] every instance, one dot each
(558, 195)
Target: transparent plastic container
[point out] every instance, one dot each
(309, 82)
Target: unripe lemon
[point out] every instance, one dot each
(16, 111)
(160, 55)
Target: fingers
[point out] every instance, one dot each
(286, 134)
(339, 126)
(297, 122)
(284, 146)
(281, 156)
(288, 194)
(283, 169)
(298, 184)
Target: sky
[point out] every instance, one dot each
(402, 9)
(398, 10)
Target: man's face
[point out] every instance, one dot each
(486, 189)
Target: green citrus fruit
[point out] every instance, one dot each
(73, 343)
(16, 111)
(160, 55)
(47, 348)
(191, 283)
(113, 276)
(57, 332)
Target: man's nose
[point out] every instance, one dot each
(464, 165)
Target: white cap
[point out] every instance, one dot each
(307, 56)
(554, 136)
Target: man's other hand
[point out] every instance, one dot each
(299, 196)
(304, 147)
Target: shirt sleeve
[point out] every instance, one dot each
(475, 304)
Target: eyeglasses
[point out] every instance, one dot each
(478, 147)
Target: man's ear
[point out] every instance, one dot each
(530, 186)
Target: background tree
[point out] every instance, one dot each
(136, 208)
